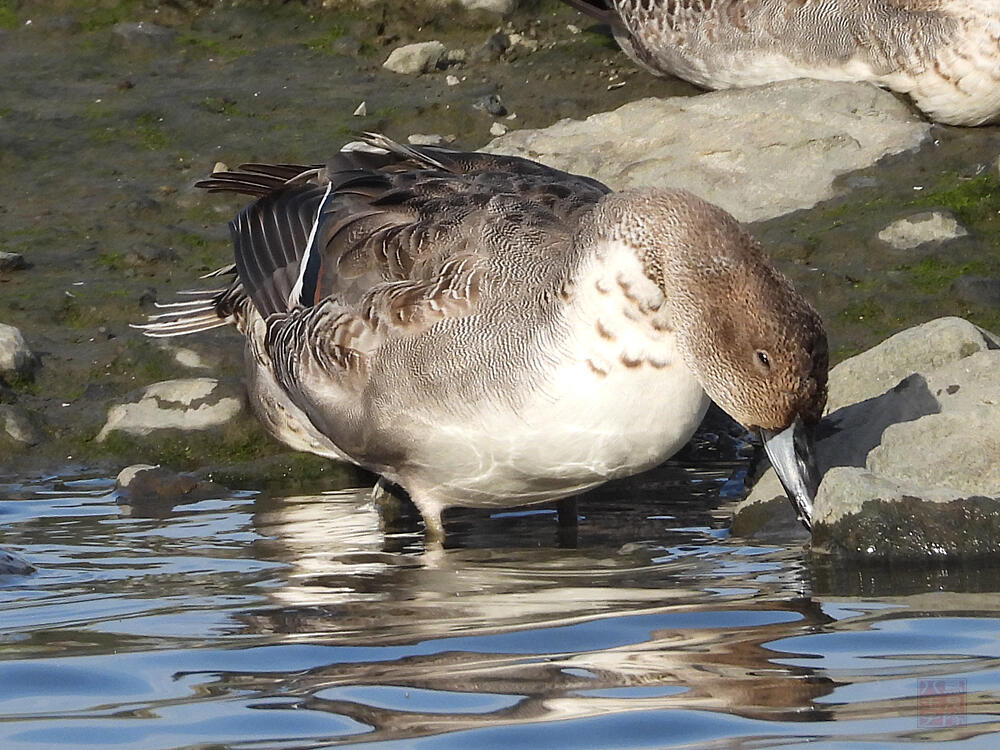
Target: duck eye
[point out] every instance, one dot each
(763, 359)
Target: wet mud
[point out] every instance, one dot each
(104, 132)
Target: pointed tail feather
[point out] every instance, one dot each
(211, 308)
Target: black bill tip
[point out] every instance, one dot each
(793, 459)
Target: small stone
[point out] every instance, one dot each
(12, 564)
(498, 128)
(414, 59)
(492, 104)
(189, 358)
(20, 425)
(425, 139)
(15, 356)
(220, 166)
(454, 57)
(918, 229)
(499, 7)
(143, 482)
(143, 34)
(525, 42)
(361, 110)
(451, 80)
(572, 28)
(126, 475)
(12, 262)
(492, 49)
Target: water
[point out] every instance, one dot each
(253, 621)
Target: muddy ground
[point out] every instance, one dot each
(103, 133)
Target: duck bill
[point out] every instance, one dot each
(791, 454)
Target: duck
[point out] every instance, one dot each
(944, 54)
(486, 331)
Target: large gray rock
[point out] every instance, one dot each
(909, 450)
(15, 357)
(725, 145)
(185, 404)
(933, 344)
(414, 59)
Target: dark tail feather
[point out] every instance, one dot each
(256, 179)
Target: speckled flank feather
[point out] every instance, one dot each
(944, 53)
(484, 330)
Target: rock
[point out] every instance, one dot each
(978, 290)
(498, 128)
(143, 482)
(186, 357)
(414, 59)
(12, 262)
(528, 43)
(12, 564)
(499, 7)
(454, 57)
(724, 145)
(185, 404)
(926, 226)
(875, 518)
(490, 103)
(143, 34)
(20, 425)
(492, 49)
(909, 451)
(451, 80)
(425, 139)
(16, 358)
(361, 110)
(930, 345)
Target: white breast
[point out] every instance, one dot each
(618, 400)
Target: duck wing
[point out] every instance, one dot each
(387, 224)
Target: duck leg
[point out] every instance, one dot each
(566, 512)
